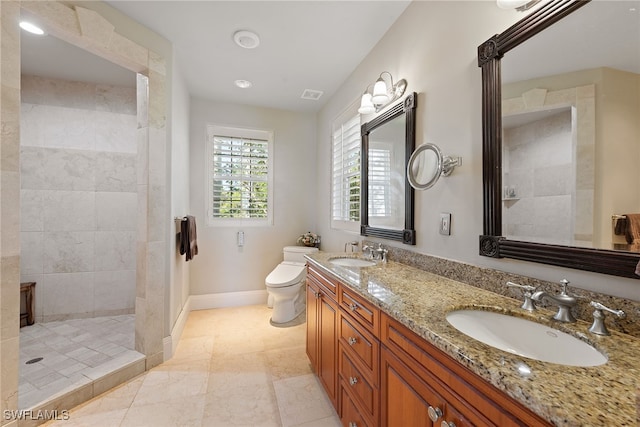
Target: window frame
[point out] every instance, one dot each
(213, 130)
(342, 223)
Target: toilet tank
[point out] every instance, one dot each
(297, 253)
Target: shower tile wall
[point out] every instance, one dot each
(78, 197)
(539, 164)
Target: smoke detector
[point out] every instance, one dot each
(246, 39)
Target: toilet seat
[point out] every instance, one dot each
(286, 273)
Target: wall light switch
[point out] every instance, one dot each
(445, 224)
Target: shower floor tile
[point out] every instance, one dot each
(73, 352)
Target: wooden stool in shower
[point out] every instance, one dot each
(27, 288)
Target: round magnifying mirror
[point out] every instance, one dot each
(424, 167)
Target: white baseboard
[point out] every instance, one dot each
(171, 342)
(228, 299)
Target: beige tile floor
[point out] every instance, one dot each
(231, 368)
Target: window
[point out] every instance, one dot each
(380, 182)
(239, 176)
(345, 182)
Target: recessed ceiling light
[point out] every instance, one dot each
(246, 39)
(243, 84)
(31, 28)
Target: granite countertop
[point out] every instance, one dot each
(564, 395)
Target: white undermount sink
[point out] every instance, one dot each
(351, 262)
(525, 338)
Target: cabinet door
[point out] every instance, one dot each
(406, 400)
(312, 325)
(328, 347)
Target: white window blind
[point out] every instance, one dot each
(239, 176)
(346, 173)
(379, 183)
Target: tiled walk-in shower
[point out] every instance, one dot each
(57, 357)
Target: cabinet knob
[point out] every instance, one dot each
(353, 380)
(447, 424)
(317, 294)
(352, 424)
(352, 340)
(353, 307)
(434, 413)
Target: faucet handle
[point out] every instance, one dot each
(598, 327)
(527, 293)
(564, 283)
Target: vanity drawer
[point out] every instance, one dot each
(362, 347)
(363, 311)
(350, 414)
(325, 284)
(358, 386)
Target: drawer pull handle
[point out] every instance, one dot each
(353, 307)
(352, 424)
(353, 380)
(352, 340)
(434, 413)
(447, 424)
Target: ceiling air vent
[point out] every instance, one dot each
(314, 95)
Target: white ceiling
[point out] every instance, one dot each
(303, 45)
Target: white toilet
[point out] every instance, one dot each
(286, 284)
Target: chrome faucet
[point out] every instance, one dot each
(380, 253)
(563, 300)
(527, 290)
(598, 327)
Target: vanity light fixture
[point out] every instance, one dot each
(519, 5)
(31, 28)
(383, 93)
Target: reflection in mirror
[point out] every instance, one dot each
(566, 121)
(387, 200)
(386, 174)
(562, 137)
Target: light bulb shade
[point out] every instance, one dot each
(380, 95)
(366, 105)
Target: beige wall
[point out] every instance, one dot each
(221, 266)
(434, 46)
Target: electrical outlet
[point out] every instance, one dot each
(240, 238)
(445, 224)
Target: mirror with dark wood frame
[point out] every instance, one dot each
(493, 242)
(388, 193)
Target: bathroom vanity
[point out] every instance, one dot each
(378, 339)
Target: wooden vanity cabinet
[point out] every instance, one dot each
(418, 375)
(377, 372)
(322, 323)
